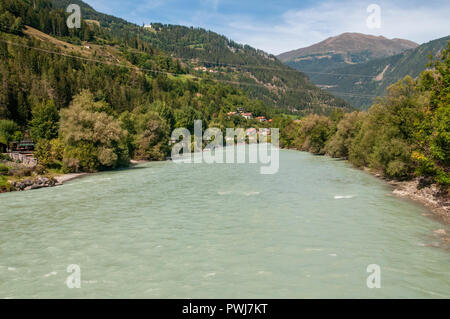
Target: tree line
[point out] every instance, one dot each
(87, 115)
(403, 135)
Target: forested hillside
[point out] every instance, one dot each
(208, 54)
(360, 84)
(92, 102)
(403, 135)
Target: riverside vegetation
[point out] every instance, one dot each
(403, 136)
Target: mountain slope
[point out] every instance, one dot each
(372, 78)
(208, 54)
(345, 49)
(44, 63)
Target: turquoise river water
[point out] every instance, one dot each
(167, 230)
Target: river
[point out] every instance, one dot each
(167, 230)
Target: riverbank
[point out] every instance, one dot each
(61, 179)
(47, 180)
(429, 195)
(43, 181)
(419, 190)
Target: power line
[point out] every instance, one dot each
(288, 68)
(165, 72)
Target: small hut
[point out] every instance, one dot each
(25, 146)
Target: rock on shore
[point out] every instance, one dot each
(428, 194)
(39, 182)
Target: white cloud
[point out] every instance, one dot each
(301, 28)
(296, 28)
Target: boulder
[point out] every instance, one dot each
(20, 186)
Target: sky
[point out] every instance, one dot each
(277, 26)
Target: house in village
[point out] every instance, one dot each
(261, 118)
(248, 115)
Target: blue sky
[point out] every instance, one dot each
(277, 26)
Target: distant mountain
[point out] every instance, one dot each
(206, 53)
(360, 83)
(342, 50)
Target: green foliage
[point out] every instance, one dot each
(44, 124)
(387, 137)
(290, 136)
(150, 132)
(5, 186)
(433, 133)
(347, 128)
(49, 153)
(403, 135)
(92, 139)
(4, 169)
(315, 131)
(9, 131)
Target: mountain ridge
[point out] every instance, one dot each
(352, 42)
(373, 77)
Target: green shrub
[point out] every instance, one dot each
(92, 138)
(4, 169)
(349, 126)
(5, 157)
(5, 186)
(20, 172)
(316, 131)
(397, 169)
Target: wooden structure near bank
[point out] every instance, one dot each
(20, 151)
